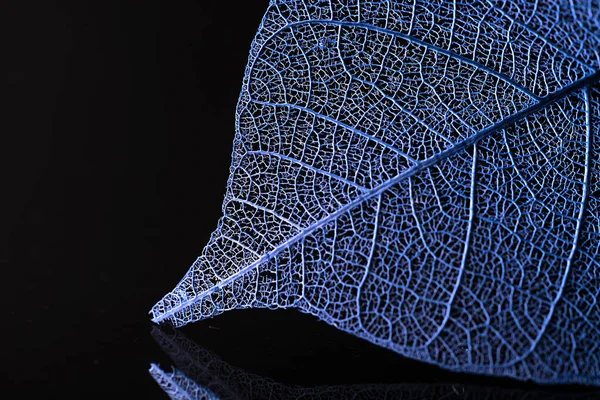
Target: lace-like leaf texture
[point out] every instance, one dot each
(424, 175)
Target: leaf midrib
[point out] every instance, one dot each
(458, 147)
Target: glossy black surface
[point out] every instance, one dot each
(115, 157)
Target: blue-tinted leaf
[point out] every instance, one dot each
(424, 175)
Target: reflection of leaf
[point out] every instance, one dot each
(180, 387)
(419, 174)
(201, 372)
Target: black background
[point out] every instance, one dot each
(114, 164)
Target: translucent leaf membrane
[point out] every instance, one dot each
(424, 175)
